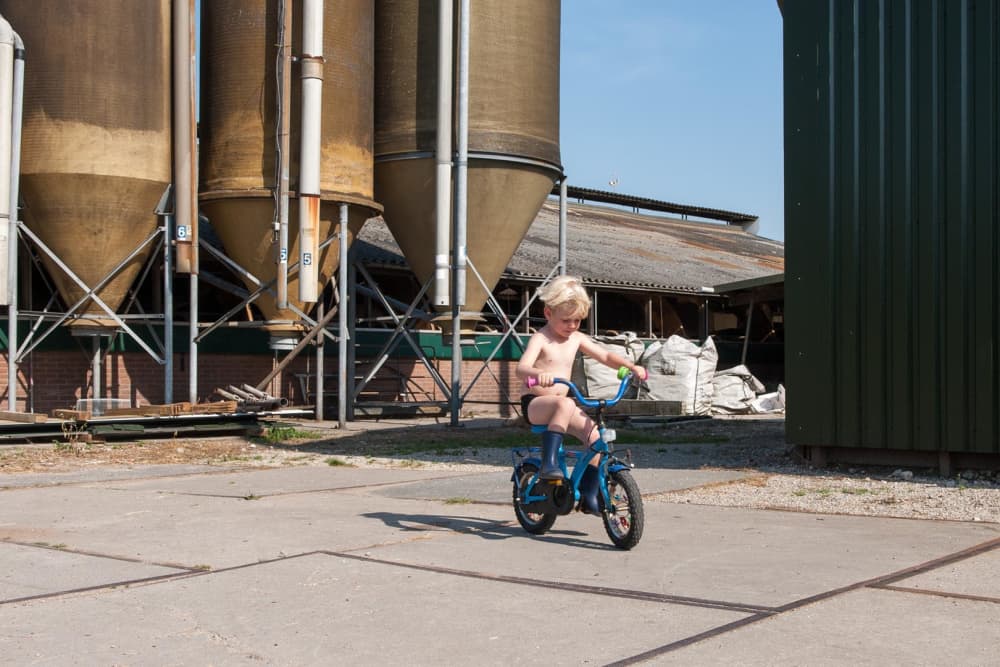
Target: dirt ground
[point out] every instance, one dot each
(733, 442)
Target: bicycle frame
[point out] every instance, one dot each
(600, 447)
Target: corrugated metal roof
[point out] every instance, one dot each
(614, 248)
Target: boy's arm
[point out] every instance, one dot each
(609, 358)
(526, 366)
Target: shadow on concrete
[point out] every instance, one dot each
(484, 528)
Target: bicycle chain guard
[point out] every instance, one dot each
(559, 498)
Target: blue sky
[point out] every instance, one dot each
(679, 100)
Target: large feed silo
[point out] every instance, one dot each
(239, 129)
(95, 156)
(513, 127)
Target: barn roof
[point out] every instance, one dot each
(621, 249)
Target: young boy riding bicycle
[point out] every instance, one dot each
(550, 354)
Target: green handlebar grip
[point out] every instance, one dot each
(622, 372)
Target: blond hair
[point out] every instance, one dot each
(566, 292)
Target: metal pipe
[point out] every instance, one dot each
(746, 331)
(343, 334)
(284, 132)
(320, 388)
(462, 173)
(193, 342)
(461, 212)
(168, 313)
(17, 110)
(309, 155)
(442, 239)
(95, 369)
(562, 226)
(185, 138)
(352, 322)
(6, 132)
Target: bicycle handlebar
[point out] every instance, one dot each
(623, 373)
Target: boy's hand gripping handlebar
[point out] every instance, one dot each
(624, 374)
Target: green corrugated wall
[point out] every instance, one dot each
(891, 229)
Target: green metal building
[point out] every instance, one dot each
(892, 238)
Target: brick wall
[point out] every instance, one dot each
(60, 378)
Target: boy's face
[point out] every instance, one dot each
(564, 320)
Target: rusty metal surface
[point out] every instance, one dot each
(513, 77)
(513, 116)
(255, 251)
(96, 134)
(239, 90)
(238, 170)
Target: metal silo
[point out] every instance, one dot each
(96, 135)
(513, 127)
(238, 145)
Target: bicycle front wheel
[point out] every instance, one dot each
(623, 520)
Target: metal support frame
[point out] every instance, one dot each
(91, 292)
(248, 298)
(509, 326)
(400, 331)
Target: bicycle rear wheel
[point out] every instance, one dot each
(535, 523)
(624, 519)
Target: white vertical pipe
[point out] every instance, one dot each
(309, 155)
(461, 211)
(17, 110)
(462, 173)
(6, 109)
(442, 202)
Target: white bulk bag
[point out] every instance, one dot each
(603, 382)
(734, 389)
(680, 370)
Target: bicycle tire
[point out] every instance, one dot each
(625, 519)
(533, 522)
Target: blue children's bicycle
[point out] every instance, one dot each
(538, 502)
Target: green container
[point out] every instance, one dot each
(892, 242)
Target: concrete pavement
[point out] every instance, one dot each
(184, 565)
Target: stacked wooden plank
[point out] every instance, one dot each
(166, 410)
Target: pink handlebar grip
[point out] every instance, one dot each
(530, 382)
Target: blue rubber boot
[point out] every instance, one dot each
(589, 501)
(551, 441)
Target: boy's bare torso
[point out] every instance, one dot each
(556, 356)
